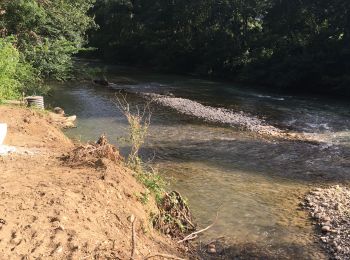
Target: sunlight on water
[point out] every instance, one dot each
(255, 184)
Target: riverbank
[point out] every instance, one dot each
(52, 210)
(330, 209)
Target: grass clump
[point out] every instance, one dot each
(174, 217)
(139, 123)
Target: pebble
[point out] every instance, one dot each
(326, 228)
(326, 219)
(131, 218)
(318, 215)
(324, 239)
(212, 250)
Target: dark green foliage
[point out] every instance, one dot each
(16, 75)
(47, 32)
(293, 45)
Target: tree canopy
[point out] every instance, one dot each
(43, 34)
(291, 45)
(287, 44)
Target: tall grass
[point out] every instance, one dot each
(139, 122)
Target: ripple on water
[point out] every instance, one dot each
(258, 182)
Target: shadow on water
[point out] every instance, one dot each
(250, 251)
(289, 160)
(259, 183)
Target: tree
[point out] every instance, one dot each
(47, 33)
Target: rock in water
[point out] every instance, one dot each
(101, 82)
(58, 111)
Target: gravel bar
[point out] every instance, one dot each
(215, 115)
(330, 208)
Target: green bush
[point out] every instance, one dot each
(47, 33)
(16, 76)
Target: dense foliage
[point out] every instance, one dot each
(16, 76)
(294, 45)
(45, 34)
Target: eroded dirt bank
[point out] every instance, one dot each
(49, 210)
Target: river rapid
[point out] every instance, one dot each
(255, 183)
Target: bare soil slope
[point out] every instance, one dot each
(49, 210)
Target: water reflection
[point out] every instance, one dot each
(257, 182)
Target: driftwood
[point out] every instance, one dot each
(195, 234)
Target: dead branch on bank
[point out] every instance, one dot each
(133, 239)
(195, 234)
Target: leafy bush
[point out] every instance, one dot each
(47, 33)
(16, 76)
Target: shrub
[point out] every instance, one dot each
(16, 76)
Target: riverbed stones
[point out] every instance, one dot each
(326, 228)
(211, 249)
(330, 207)
(216, 115)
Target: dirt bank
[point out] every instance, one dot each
(49, 210)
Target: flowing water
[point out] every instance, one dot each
(254, 183)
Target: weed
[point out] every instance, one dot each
(138, 129)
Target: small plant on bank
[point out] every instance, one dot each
(174, 218)
(139, 123)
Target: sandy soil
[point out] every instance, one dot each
(49, 210)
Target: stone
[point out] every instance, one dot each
(131, 218)
(328, 223)
(324, 239)
(211, 245)
(326, 219)
(211, 250)
(58, 111)
(326, 228)
(318, 215)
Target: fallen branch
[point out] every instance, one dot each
(164, 256)
(195, 234)
(133, 240)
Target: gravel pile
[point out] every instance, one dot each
(330, 208)
(215, 115)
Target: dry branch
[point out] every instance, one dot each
(133, 240)
(164, 256)
(195, 234)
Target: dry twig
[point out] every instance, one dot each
(195, 234)
(164, 256)
(133, 239)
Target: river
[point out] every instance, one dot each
(255, 183)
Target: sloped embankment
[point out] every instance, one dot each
(52, 210)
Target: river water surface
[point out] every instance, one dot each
(255, 183)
